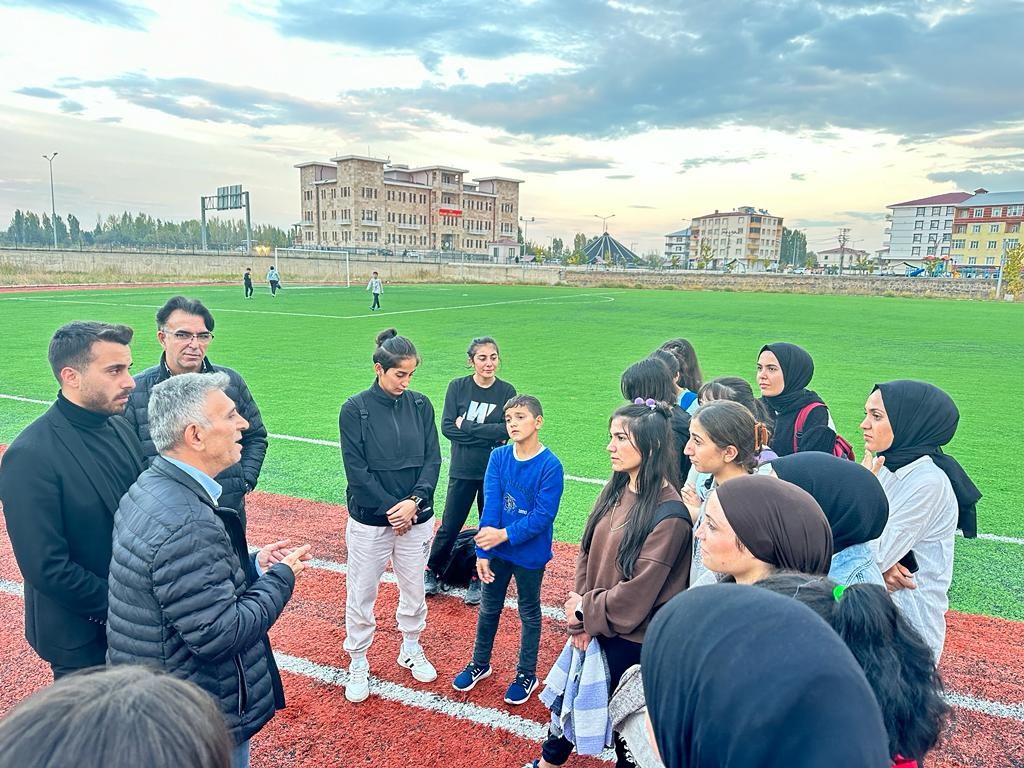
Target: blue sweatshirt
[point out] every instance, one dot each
(522, 497)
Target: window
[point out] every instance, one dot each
(913, 251)
(990, 260)
(993, 227)
(961, 228)
(1011, 243)
(920, 211)
(917, 237)
(949, 210)
(958, 243)
(1013, 227)
(1014, 210)
(992, 244)
(972, 259)
(974, 243)
(933, 237)
(975, 227)
(933, 224)
(918, 225)
(978, 213)
(945, 237)
(997, 212)
(937, 210)
(931, 250)
(947, 224)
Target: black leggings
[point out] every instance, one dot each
(620, 655)
(457, 504)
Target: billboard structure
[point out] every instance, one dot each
(227, 198)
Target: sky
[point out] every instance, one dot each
(651, 111)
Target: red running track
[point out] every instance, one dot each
(407, 723)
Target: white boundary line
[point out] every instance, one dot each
(496, 718)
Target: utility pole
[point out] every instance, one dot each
(53, 206)
(844, 238)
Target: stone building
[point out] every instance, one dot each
(367, 202)
(746, 239)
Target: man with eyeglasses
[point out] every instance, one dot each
(185, 331)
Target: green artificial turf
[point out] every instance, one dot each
(305, 351)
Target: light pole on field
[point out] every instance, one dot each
(526, 224)
(604, 220)
(53, 207)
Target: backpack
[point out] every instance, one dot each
(461, 566)
(840, 448)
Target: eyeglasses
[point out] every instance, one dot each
(185, 337)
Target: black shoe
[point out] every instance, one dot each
(430, 583)
(474, 593)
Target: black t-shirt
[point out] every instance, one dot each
(483, 426)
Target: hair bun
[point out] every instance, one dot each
(383, 336)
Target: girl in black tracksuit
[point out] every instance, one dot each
(474, 420)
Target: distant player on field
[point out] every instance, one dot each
(375, 287)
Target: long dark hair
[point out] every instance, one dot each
(897, 662)
(689, 369)
(739, 391)
(650, 378)
(648, 429)
(729, 423)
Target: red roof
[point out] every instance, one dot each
(950, 198)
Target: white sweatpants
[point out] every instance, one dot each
(370, 547)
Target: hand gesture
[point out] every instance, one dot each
(872, 462)
(401, 516)
(296, 559)
(458, 421)
(489, 538)
(899, 577)
(691, 501)
(483, 571)
(275, 552)
(580, 641)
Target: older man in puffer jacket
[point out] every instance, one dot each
(184, 593)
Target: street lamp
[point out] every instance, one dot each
(604, 220)
(526, 224)
(53, 207)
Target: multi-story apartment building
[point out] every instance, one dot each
(677, 247)
(917, 229)
(367, 202)
(747, 238)
(985, 226)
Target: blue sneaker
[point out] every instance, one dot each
(521, 688)
(467, 679)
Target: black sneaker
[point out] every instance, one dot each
(474, 593)
(430, 583)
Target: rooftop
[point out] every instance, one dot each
(500, 178)
(950, 198)
(995, 198)
(313, 162)
(339, 158)
(680, 233)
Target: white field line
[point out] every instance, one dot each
(559, 299)
(496, 718)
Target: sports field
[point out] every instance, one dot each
(305, 351)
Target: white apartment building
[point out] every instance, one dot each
(747, 239)
(677, 246)
(366, 202)
(919, 228)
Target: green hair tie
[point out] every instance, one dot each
(837, 593)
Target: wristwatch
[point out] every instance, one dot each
(579, 611)
(418, 500)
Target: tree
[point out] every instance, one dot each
(74, 229)
(557, 246)
(794, 247)
(704, 256)
(652, 260)
(811, 260)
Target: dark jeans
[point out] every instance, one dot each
(493, 600)
(248, 290)
(60, 671)
(376, 301)
(620, 655)
(274, 285)
(456, 510)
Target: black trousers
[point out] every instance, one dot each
(620, 655)
(457, 504)
(274, 285)
(62, 671)
(376, 301)
(248, 290)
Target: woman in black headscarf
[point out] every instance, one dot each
(930, 495)
(783, 373)
(854, 503)
(735, 677)
(755, 524)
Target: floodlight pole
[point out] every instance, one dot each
(1002, 268)
(53, 206)
(202, 224)
(248, 227)
(604, 220)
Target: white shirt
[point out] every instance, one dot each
(922, 517)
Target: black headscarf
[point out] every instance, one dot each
(797, 371)
(850, 495)
(736, 677)
(924, 418)
(779, 523)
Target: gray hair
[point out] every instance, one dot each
(179, 401)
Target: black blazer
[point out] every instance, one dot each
(60, 517)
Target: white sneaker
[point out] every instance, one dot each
(417, 663)
(357, 688)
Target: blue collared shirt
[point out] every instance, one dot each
(211, 486)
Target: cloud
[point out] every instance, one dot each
(645, 207)
(108, 119)
(562, 164)
(110, 12)
(1003, 140)
(39, 93)
(67, 106)
(1005, 181)
(208, 101)
(863, 215)
(693, 163)
(618, 176)
(806, 66)
(797, 177)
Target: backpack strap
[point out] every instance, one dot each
(671, 508)
(364, 416)
(801, 421)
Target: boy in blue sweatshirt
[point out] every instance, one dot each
(522, 490)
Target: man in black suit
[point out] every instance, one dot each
(60, 483)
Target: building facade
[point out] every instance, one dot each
(842, 258)
(919, 229)
(677, 248)
(367, 202)
(985, 227)
(746, 238)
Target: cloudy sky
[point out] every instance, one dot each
(655, 111)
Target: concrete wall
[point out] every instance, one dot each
(24, 267)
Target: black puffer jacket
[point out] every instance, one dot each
(184, 595)
(237, 480)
